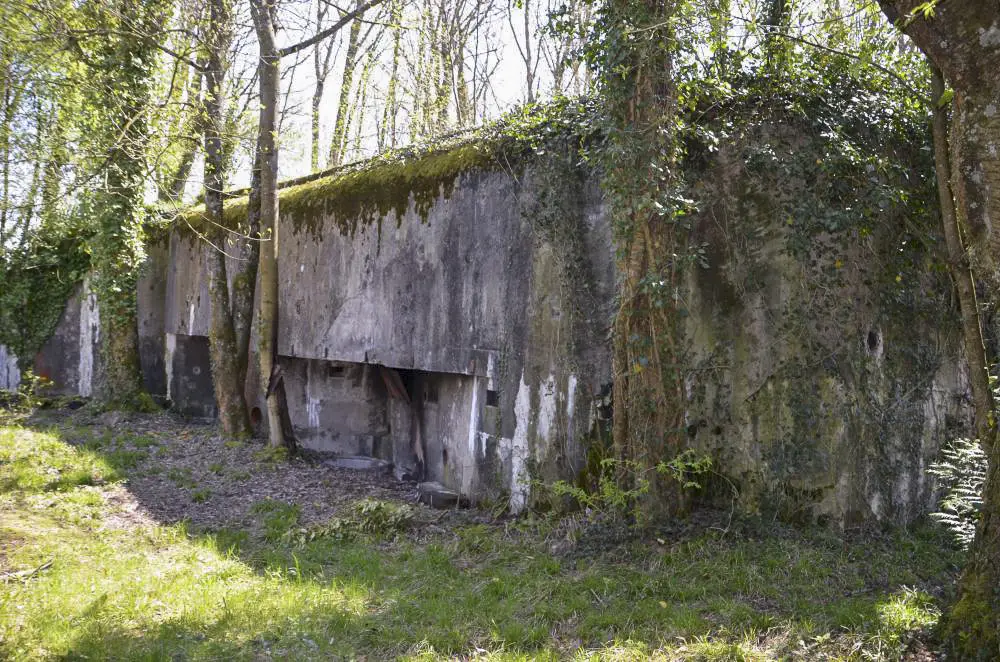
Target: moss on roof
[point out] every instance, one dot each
(365, 192)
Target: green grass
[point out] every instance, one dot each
(42, 461)
(277, 517)
(161, 592)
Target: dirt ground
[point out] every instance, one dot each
(185, 471)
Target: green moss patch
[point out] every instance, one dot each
(366, 192)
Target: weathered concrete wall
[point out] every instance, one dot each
(151, 295)
(471, 304)
(337, 407)
(70, 359)
(825, 364)
(177, 319)
(10, 374)
(476, 294)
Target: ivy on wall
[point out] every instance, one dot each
(35, 282)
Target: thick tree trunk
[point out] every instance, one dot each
(962, 39)
(267, 311)
(972, 627)
(961, 272)
(222, 339)
(245, 280)
(648, 387)
(116, 248)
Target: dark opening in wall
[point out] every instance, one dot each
(191, 387)
(874, 342)
(492, 398)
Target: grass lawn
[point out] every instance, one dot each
(84, 576)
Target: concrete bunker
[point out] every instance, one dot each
(464, 335)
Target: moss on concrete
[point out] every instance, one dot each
(366, 192)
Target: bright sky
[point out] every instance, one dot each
(507, 83)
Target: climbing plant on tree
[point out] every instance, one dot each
(123, 65)
(635, 62)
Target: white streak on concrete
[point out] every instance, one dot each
(570, 402)
(491, 371)
(876, 505)
(10, 374)
(168, 360)
(474, 417)
(547, 407)
(312, 404)
(90, 331)
(520, 478)
(191, 318)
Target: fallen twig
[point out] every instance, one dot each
(25, 575)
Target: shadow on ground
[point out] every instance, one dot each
(211, 550)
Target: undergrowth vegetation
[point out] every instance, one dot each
(962, 472)
(80, 580)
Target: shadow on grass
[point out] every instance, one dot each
(160, 592)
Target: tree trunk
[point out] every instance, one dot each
(972, 627)
(420, 77)
(338, 141)
(317, 100)
(961, 273)
(245, 280)
(267, 312)
(648, 388)
(11, 103)
(321, 68)
(962, 39)
(222, 338)
(361, 101)
(30, 202)
(387, 134)
(54, 162)
(5, 132)
(116, 248)
(463, 104)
